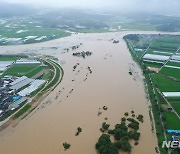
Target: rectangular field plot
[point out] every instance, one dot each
(160, 52)
(172, 71)
(165, 46)
(19, 70)
(172, 121)
(165, 84)
(35, 71)
(8, 58)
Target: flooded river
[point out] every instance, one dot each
(81, 95)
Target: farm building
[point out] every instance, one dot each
(17, 103)
(18, 80)
(20, 83)
(34, 85)
(23, 61)
(156, 57)
(171, 94)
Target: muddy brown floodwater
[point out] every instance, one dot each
(81, 95)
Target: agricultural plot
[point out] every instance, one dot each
(8, 58)
(165, 84)
(19, 70)
(172, 121)
(35, 71)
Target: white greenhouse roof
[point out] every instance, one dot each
(169, 66)
(156, 57)
(175, 57)
(27, 61)
(171, 94)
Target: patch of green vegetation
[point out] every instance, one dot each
(165, 84)
(8, 58)
(58, 70)
(79, 130)
(172, 72)
(35, 71)
(22, 111)
(176, 106)
(19, 70)
(122, 132)
(172, 121)
(47, 76)
(66, 145)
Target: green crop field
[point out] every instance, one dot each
(8, 58)
(19, 70)
(172, 121)
(176, 106)
(172, 72)
(35, 71)
(165, 84)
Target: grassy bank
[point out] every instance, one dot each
(22, 111)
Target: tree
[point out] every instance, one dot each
(105, 126)
(119, 133)
(105, 146)
(133, 125)
(66, 145)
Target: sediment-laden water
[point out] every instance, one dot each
(81, 95)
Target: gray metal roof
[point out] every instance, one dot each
(18, 80)
(34, 85)
(21, 84)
